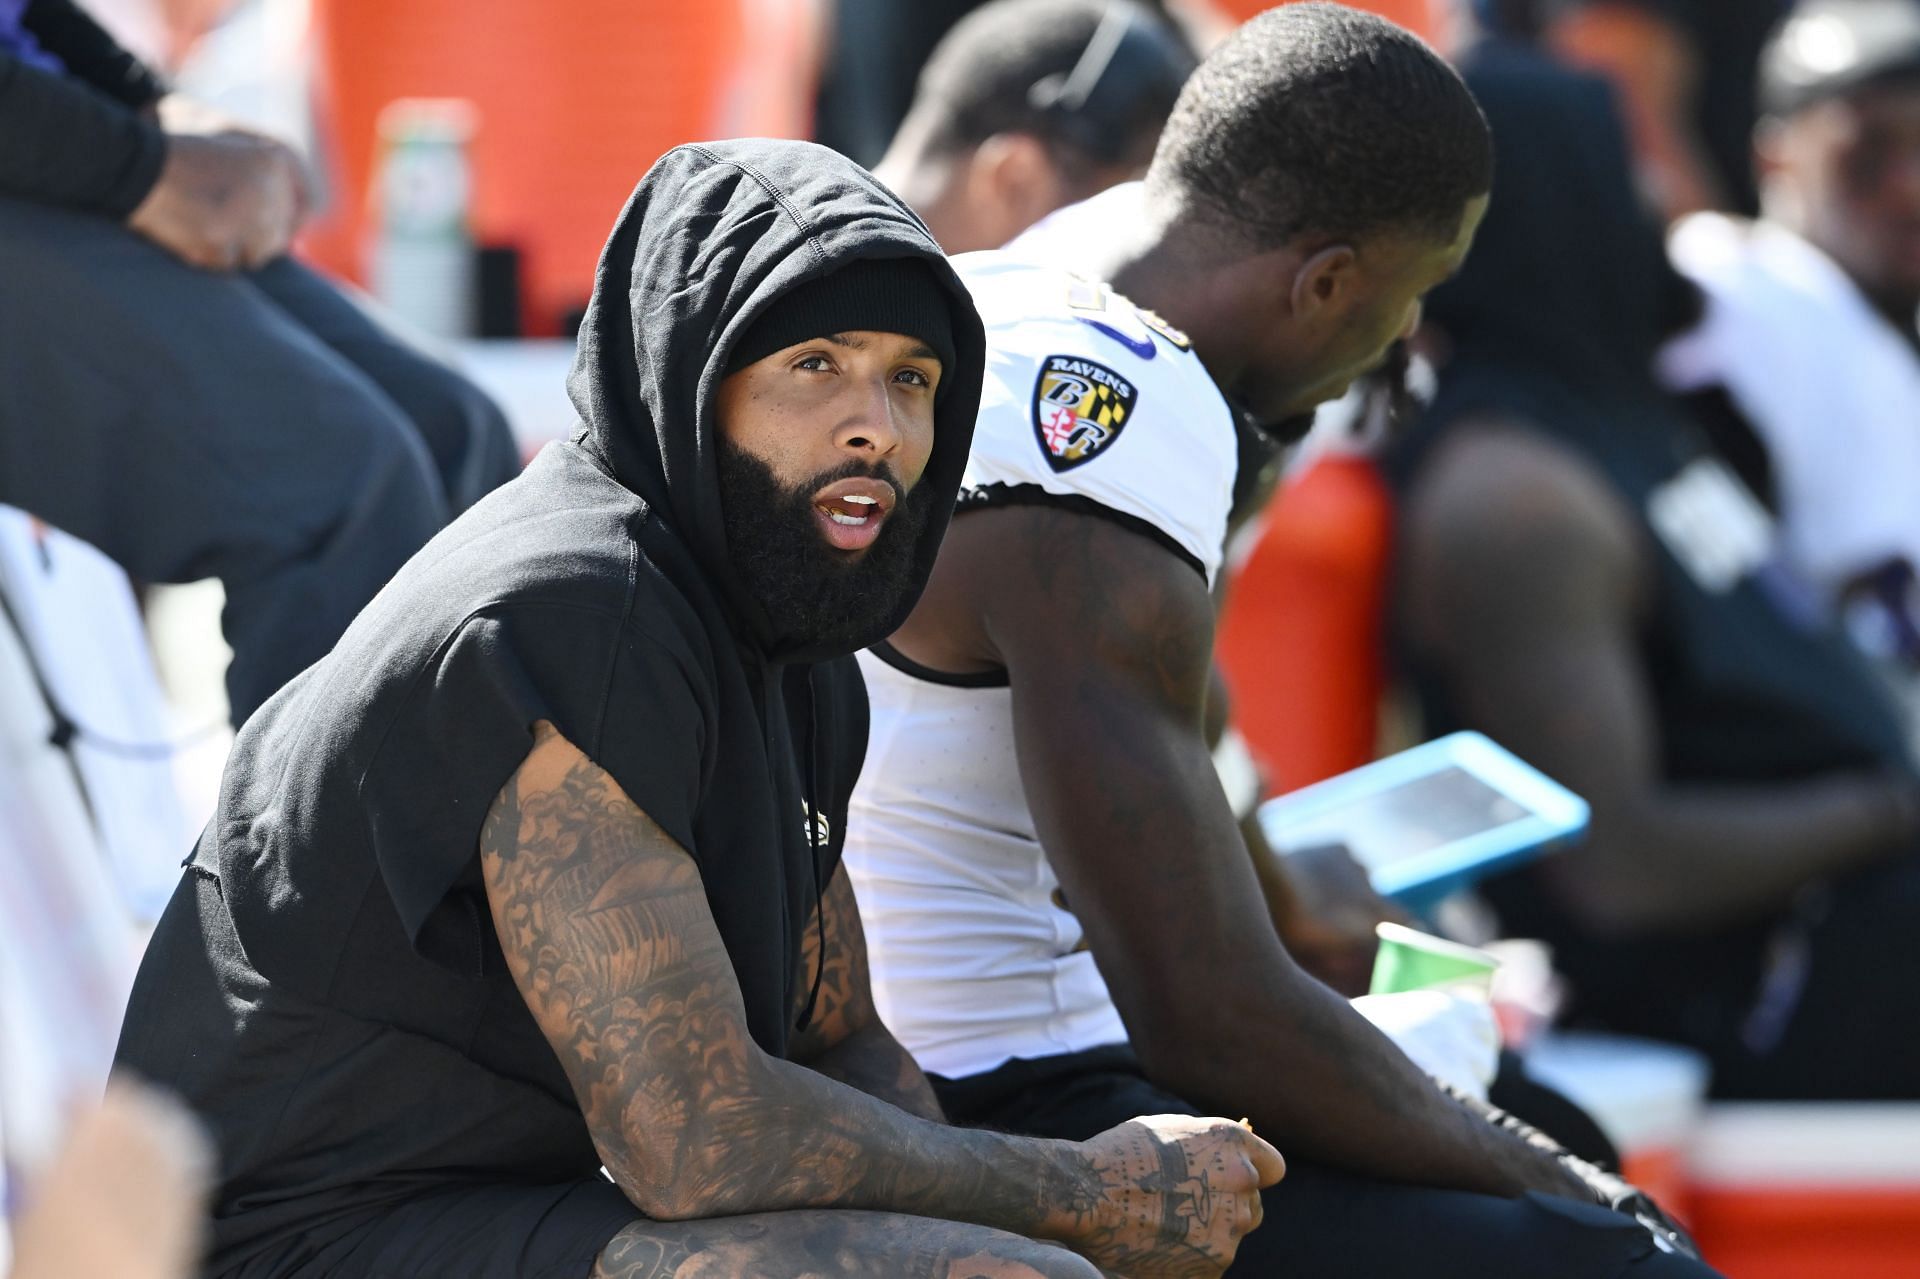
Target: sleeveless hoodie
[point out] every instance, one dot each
(326, 988)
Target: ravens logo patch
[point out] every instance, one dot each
(1079, 409)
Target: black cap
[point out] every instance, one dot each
(882, 295)
(1828, 48)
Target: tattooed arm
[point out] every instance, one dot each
(1109, 689)
(607, 933)
(846, 1040)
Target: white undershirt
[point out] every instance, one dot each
(973, 961)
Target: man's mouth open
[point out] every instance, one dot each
(851, 512)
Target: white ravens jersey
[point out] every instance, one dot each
(1092, 401)
(1088, 402)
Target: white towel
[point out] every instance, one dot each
(1450, 1034)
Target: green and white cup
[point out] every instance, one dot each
(1412, 960)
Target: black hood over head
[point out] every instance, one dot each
(714, 233)
(1556, 316)
(1568, 273)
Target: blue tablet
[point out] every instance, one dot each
(1431, 820)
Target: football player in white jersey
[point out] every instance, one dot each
(1027, 106)
(1063, 920)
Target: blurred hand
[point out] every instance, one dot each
(1329, 930)
(1624, 1197)
(1563, 1173)
(127, 1197)
(227, 198)
(1179, 1195)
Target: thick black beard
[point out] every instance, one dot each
(814, 593)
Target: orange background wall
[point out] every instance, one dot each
(1415, 15)
(576, 99)
(1300, 638)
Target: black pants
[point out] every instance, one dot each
(257, 428)
(1321, 1222)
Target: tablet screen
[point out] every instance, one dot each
(1401, 821)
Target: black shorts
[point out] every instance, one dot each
(465, 1232)
(1320, 1221)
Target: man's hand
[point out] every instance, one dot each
(1179, 1195)
(1624, 1197)
(227, 198)
(126, 1197)
(1328, 925)
(1577, 1179)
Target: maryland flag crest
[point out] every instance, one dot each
(1079, 409)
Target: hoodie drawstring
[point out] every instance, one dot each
(813, 849)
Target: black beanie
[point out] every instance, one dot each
(882, 295)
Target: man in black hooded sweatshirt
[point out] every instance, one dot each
(538, 870)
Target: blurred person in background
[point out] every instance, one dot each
(1585, 579)
(184, 395)
(1065, 925)
(1808, 346)
(875, 52)
(1029, 105)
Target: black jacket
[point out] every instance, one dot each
(327, 988)
(77, 140)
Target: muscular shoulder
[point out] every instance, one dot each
(1088, 397)
(1071, 591)
(1504, 521)
(1496, 487)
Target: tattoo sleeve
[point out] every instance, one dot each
(607, 933)
(846, 1040)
